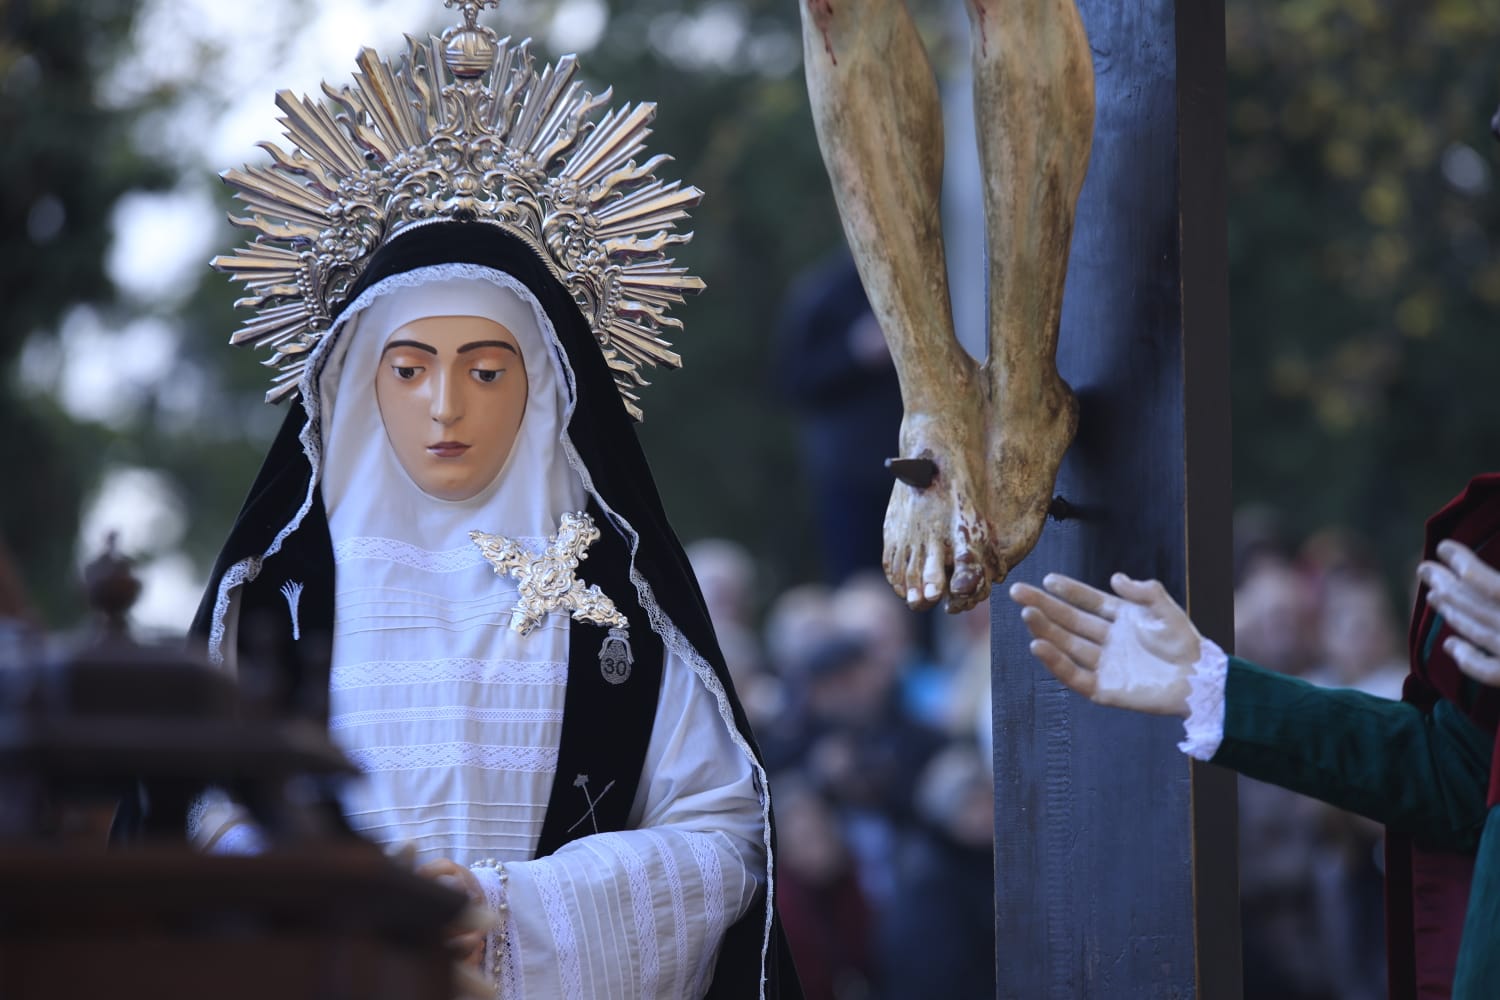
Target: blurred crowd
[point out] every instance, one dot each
(874, 725)
(1310, 875)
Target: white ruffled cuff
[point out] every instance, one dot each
(1204, 726)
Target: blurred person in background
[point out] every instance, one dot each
(865, 608)
(1281, 833)
(938, 937)
(797, 620)
(832, 365)
(1357, 635)
(1275, 616)
(848, 728)
(726, 575)
(822, 905)
(1358, 649)
(1283, 898)
(963, 643)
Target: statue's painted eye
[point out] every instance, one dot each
(406, 372)
(487, 375)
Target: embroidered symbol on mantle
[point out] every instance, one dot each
(615, 658)
(292, 591)
(582, 782)
(548, 582)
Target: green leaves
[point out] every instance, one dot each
(1364, 284)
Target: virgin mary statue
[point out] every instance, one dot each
(455, 553)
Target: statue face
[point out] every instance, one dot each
(451, 392)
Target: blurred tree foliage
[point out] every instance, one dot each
(65, 159)
(1365, 282)
(736, 120)
(740, 129)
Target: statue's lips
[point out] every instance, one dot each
(447, 449)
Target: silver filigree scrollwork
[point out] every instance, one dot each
(548, 581)
(463, 128)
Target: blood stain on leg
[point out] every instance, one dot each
(822, 15)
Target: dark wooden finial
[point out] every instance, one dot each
(112, 588)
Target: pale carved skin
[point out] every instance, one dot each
(996, 431)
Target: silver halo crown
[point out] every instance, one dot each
(462, 129)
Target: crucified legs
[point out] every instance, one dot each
(995, 432)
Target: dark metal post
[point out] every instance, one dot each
(1114, 855)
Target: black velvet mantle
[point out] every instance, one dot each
(604, 435)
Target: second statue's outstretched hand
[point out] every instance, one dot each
(1135, 648)
(1465, 590)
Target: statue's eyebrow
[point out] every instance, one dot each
(410, 343)
(476, 345)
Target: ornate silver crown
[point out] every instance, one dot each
(462, 129)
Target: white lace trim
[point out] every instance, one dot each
(640, 906)
(679, 910)
(198, 810)
(672, 637)
(385, 673)
(461, 818)
(443, 713)
(357, 600)
(311, 438)
(451, 842)
(497, 618)
(495, 898)
(435, 755)
(712, 875)
(512, 972)
(234, 576)
(569, 968)
(424, 806)
(405, 554)
(1204, 725)
(676, 642)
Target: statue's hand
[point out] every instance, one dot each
(1466, 592)
(1136, 650)
(466, 938)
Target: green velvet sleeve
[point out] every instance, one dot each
(1419, 773)
(1478, 974)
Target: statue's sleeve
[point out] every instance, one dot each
(642, 913)
(1422, 773)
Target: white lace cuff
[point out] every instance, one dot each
(241, 839)
(1204, 726)
(493, 880)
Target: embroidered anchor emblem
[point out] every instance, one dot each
(582, 782)
(547, 582)
(292, 591)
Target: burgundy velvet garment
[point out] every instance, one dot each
(1473, 518)
(1427, 892)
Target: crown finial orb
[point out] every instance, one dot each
(470, 49)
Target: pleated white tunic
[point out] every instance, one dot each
(459, 752)
(455, 718)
